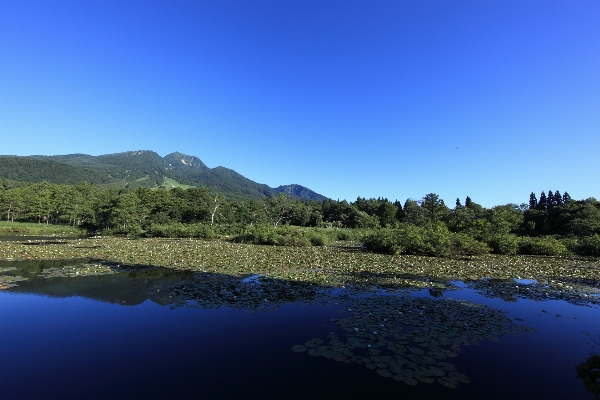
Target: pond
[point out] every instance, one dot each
(82, 328)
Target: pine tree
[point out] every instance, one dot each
(558, 198)
(566, 198)
(532, 201)
(550, 200)
(468, 202)
(458, 205)
(543, 201)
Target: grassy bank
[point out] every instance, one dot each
(42, 229)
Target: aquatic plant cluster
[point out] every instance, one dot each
(406, 338)
(341, 263)
(8, 281)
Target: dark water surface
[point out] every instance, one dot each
(112, 332)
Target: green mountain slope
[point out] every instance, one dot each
(141, 168)
(299, 191)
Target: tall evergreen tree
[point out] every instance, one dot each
(543, 203)
(458, 205)
(566, 198)
(468, 202)
(558, 198)
(550, 200)
(532, 201)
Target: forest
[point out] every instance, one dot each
(553, 225)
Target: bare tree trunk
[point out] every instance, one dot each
(214, 211)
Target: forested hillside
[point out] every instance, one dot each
(142, 168)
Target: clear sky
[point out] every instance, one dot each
(490, 99)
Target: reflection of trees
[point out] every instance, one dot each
(577, 293)
(107, 282)
(589, 371)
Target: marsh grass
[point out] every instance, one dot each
(35, 228)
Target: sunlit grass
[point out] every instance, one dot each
(33, 228)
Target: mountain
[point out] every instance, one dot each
(300, 192)
(142, 168)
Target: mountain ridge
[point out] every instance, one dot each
(142, 168)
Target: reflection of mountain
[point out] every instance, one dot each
(580, 292)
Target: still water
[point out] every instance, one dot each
(76, 329)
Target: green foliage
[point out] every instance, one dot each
(35, 228)
(383, 241)
(542, 246)
(504, 244)
(589, 246)
(411, 239)
(178, 230)
(282, 236)
(462, 244)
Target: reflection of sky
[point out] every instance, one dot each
(69, 345)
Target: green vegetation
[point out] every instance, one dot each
(339, 263)
(172, 183)
(34, 228)
(426, 227)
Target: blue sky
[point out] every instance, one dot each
(490, 99)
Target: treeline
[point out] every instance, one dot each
(554, 224)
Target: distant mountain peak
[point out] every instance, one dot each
(177, 159)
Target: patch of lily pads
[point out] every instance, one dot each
(87, 269)
(10, 281)
(340, 264)
(408, 338)
(213, 291)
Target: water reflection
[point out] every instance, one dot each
(110, 283)
(397, 335)
(589, 372)
(581, 292)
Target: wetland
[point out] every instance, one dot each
(110, 317)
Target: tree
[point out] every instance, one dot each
(277, 209)
(12, 202)
(434, 208)
(218, 200)
(126, 211)
(558, 198)
(543, 203)
(550, 200)
(413, 213)
(532, 201)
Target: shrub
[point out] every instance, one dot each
(318, 240)
(589, 246)
(462, 244)
(410, 239)
(543, 246)
(383, 241)
(504, 244)
(178, 230)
